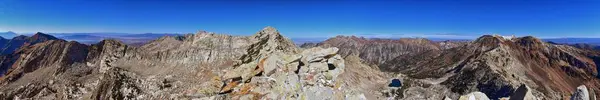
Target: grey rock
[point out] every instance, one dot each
(474, 96)
(581, 93)
(522, 93)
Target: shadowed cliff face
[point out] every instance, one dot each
(596, 60)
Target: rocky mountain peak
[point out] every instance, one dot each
(487, 42)
(43, 35)
(40, 37)
(269, 32)
(268, 40)
(529, 42)
(488, 39)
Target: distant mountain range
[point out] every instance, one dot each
(91, 38)
(8, 34)
(595, 41)
(133, 38)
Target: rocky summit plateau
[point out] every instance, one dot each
(269, 66)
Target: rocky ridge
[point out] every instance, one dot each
(496, 66)
(267, 65)
(10, 46)
(377, 51)
(202, 65)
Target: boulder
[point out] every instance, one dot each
(522, 93)
(474, 96)
(244, 71)
(271, 63)
(318, 54)
(446, 98)
(581, 93)
(318, 66)
(336, 66)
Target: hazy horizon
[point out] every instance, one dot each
(308, 19)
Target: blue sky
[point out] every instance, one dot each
(309, 18)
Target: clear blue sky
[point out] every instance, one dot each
(309, 18)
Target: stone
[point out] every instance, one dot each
(292, 67)
(229, 86)
(318, 93)
(244, 71)
(336, 61)
(581, 93)
(291, 58)
(317, 54)
(319, 67)
(447, 98)
(356, 97)
(522, 93)
(336, 66)
(271, 64)
(474, 96)
(277, 60)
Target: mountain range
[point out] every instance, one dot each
(268, 65)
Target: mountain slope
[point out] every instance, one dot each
(8, 47)
(193, 66)
(378, 51)
(22, 40)
(497, 66)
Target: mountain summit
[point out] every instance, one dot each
(13, 44)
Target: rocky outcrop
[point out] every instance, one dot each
(9, 46)
(523, 93)
(268, 41)
(106, 52)
(118, 84)
(19, 41)
(311, 75)
(280, 73)
(54, 53)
